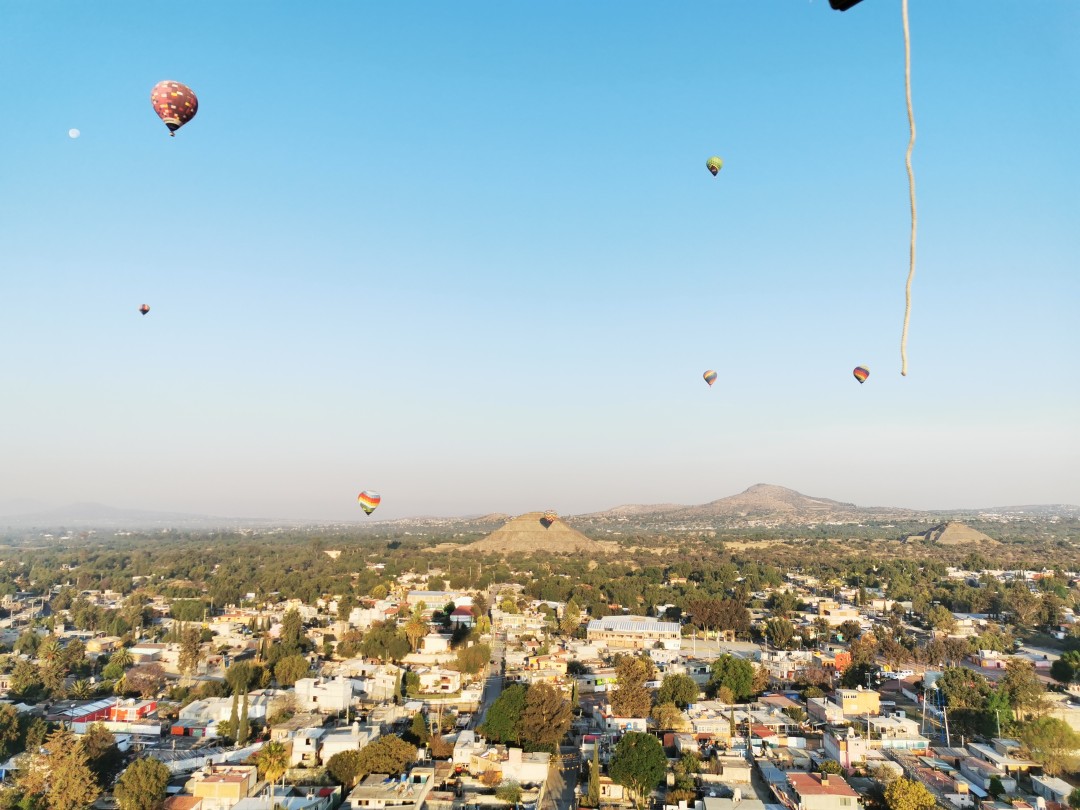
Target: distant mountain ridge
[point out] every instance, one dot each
(759, 501)
(762, 505)
(772, 505)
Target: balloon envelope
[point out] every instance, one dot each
(174, 103)
(710, 377)
(714, 165)
(861, 373)
(368, 500)
(550, 516)
(73, 133)
(144, 308)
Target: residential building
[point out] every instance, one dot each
(328, 697)
(821, 791)
(379, 791)
(845, 746)
(223, 786)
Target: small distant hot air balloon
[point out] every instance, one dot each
(368, 500)
(144, 308)
(73, 133)
(550, 516)
(714, 165)
(174, 103)
(861, 373)
(710, 377)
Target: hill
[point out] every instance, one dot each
(529, 533)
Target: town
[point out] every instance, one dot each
(804, 693)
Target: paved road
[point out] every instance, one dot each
(562, 779)
(493, 686)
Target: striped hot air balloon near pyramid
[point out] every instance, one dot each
(861, 373)
(550, 516)
(709, 377)
(368, 500)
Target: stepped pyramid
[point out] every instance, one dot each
(531, 532)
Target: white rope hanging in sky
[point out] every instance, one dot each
(911, 187)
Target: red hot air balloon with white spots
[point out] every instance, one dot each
(174, 103)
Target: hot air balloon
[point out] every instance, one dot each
(714, 165)
(144, 308)
(368, 500)
(174, 103)
(550, 516)
(861, 373)
(710, 377)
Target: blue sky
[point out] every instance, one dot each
(469, 255)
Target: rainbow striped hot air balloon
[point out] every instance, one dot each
(710, 377)
(550, 516)
(368, 500)
(861, 373)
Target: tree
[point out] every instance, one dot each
(122, 658)
(668, 717)
(594, 777)
(234, 718)
(103, 756)
(415, 629)
(734, 673)
(682, 690)
(502, 723)
(190, 650)
(546, 717)
(292, 625)
(1074, 799)
(419, 734)
(25, 680)
(1062, 671)
(638, 763)
(571, 618)
(146, 679)
(471, 660)
(1023, 686)
(509, 792)
(143, 785)
(240, 677)
(387, 754)
(10, 731)
(290, 669)
(780, 632)
(386, 642)
(849, 630)
(907, 794)
(1050, 742)
(344, 766)
(243, 732)
(797, 715)
(81, 689)
(272, 760)
(631, 698)
(941, 618)
(831, 766)
(59, 774)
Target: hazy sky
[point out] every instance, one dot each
(468, 254)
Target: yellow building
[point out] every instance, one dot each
(858, 702)
(224, 785)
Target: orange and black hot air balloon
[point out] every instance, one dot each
(174, 103)
(144, 308)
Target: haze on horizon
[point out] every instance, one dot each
(475, 261)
